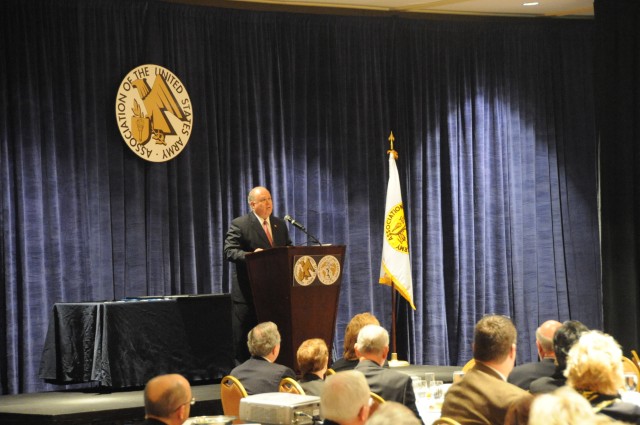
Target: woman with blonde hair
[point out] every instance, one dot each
(349, 359)
(594, 369)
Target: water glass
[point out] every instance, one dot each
(437, 390)
(419, 387)
(429, 377)
(631, 382)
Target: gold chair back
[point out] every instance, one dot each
(445, 421)
(636, 359)
(231, 391)
(468, 365)
(329, 372)
(629, 366)
(290, 385)
(377, 401)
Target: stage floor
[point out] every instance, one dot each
(123, 407)
(85, 407)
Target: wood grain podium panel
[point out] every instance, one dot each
(301, 312)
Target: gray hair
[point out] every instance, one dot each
(168, 401)
(372, 339)
(262, 339)
(563, 406)
(343, 396)
(394, 413)
(252, 193)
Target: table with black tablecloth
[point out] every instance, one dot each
(125, 343)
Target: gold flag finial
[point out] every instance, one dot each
(391, 139)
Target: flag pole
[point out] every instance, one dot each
(394, 351)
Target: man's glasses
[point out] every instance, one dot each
(191, 402)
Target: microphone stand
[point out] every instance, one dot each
(297, 225)
(313, 238)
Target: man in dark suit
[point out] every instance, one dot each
(564, 338)
(372, 348)
(523, 375)
(167, 400)
(260, 374)
(483, 395)
(249, 233)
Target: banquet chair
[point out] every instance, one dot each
(290, 385)
(636, 359)
(329, 372)
(376, 401)
(231, 391)
(468, 365)
(629, 366)
(445, 421)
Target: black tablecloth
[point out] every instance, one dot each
(125, 343)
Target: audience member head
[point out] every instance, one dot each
(351, 333)
(313, 357)
(564, 338)
(393, 413)
(345, 398)
(544, 338)
(594, 364)
(264, 341)
(494, 342)
(373, 343)
(564, 406)
(168, 398)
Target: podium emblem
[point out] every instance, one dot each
(305, 270)
(328, 270)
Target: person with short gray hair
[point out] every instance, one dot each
(393, 413)
(345, 399)
(260, 374)
(372, 348)
(262, 339)
(523, 375)
(255, 231)
(167, 400)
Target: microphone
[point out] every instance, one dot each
(295, 223)
(301, 227)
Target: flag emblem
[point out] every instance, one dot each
(395, 229)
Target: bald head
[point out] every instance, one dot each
(544, 338)
(168, 397)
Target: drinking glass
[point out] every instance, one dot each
(437, 390)
(631, 382)
(429, 377)
(419, 387)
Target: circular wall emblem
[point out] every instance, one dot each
(328, 269)
(154, 113)
(304, 270)
(395, 229)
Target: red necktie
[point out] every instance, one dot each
(265, 225)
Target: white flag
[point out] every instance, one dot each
(396, 263)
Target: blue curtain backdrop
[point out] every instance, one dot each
(494, 125)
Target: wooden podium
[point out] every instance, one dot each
(298, 289)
